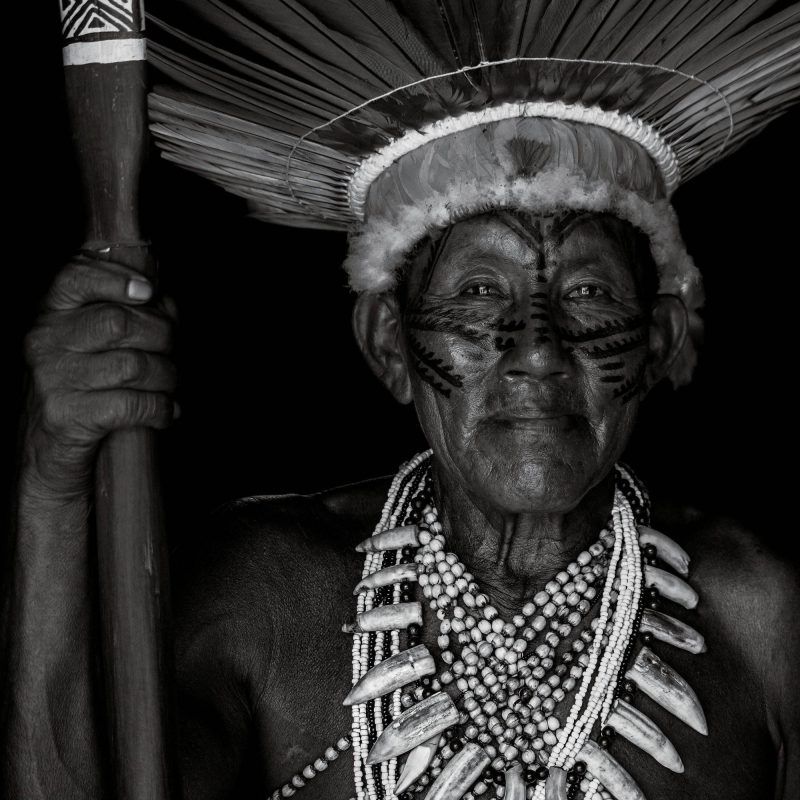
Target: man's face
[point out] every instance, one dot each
(527, 338)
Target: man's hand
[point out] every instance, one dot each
(99, 360)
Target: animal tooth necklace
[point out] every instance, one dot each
(503, 734)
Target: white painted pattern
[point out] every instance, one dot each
(100, 18)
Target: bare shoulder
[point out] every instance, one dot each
(738, 572)
(260, 563)
(750, 595)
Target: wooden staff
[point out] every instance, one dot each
(104, 50)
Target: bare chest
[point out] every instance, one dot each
(736, 761)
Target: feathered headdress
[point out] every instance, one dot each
(393, 119)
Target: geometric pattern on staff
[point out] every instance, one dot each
(91, 20)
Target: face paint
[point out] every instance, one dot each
(432, 369)
(532, 336)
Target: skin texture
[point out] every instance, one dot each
(508, 382)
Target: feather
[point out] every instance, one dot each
(554, 23)
(172, 38)
(665, 19)
(703, 33)
(574, 42)
(736, 52)
(618, 28)
(322, 66)
(522, 27)
(384, 27)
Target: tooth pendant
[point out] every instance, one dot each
(392, 673)
(387, 576)
(671, 586)
(515, 784)
(669, 551)
(386, 618)
(640, 730)
(556, 786)
(609, 772)
(460, 772)
(662, 684)
(672, 631)
(418, 760)
(394, 539)
(418, 724)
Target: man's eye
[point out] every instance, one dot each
(480, 290)
(586, 291)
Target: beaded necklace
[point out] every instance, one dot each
(503, 736)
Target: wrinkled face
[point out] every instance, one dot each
(527, 338)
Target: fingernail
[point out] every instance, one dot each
(176, 411)
(139, 289)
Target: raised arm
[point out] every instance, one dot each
(98, 359)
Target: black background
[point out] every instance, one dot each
(274, 394)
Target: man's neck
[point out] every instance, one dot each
(513, 555)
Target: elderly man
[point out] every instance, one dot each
(520, 622)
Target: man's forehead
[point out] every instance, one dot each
(519, 236)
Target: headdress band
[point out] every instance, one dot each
(623, 124)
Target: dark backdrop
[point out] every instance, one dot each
(274, 394)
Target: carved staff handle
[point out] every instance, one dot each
(104, 51)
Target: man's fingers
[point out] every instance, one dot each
(114, 369)
(87, 281)
(85, 417)
(106, 326)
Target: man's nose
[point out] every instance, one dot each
(535, 352)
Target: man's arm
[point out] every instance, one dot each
(98, 363)
(780, 676)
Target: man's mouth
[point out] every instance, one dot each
(534, 419)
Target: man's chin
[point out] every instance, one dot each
(559, 444)
(520, 478)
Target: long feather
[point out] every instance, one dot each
(555, 22)
(314, 67)
(523, 33)
(723, 25)
(666, 21)
(739, 51)
(384, 27)
(271, 80)
(618, 28)
(574, 42)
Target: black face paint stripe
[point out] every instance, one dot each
(630, 388)
(428, 377)
(434, 363)
(565, 222)
(503, 345)
(511, 325)
(602, 331)
(615, 348)
(613, 365)
(529, 231)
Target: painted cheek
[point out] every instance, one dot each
(614, 353)
(449, 345)
(433, 363)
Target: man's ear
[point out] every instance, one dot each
(669, 323)
(376, 324)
